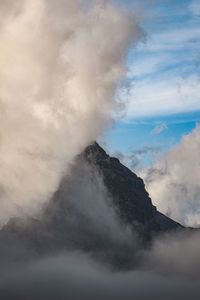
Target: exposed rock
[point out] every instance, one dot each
(128, 192)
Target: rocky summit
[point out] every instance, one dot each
(128, 192)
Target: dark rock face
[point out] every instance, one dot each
(128, 192)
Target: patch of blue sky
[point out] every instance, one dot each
(128, 136)
(160, 133)
(163, 76)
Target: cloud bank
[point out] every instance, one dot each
(60, 63)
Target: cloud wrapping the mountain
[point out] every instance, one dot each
(60, 63)
(85, 252)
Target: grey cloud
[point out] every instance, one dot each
(77, 276)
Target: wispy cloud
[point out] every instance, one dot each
(145, 66)
(159, 129)
(173, 39)
(137, 158)
(165, 68)
(195, 7)
(164, 96)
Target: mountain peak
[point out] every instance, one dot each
(101, 208)
(128, 192)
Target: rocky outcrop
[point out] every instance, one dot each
(128, 192)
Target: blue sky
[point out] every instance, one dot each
(164, 83)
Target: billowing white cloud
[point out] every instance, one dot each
(60, 62)
(174, 182)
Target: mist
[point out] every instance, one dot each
(81, 249)
(76, 275)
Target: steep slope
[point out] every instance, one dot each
(128, 192)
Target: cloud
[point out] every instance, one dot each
(58, 75)
(75, 275)
(195, 7)
(174, 182)
(166, 256)
(146, 65)
(135, 158)
(173, 39)
(151, 97)
(88, 219)
(87, 253)
(159, 128)
(52, 104)
(164, 69)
